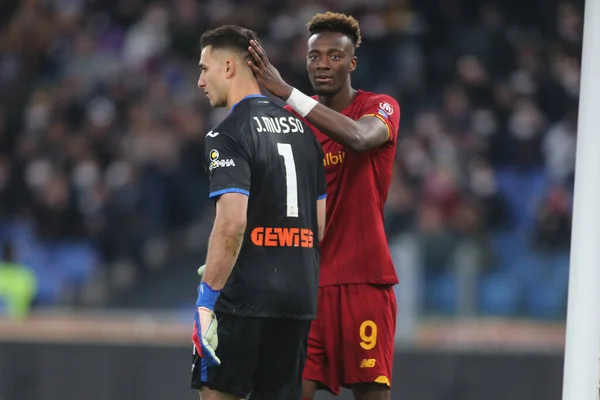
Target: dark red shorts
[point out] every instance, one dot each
(352, 339)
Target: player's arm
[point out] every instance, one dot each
(226, 238)
(229, 171)
(228, 167)
(322, 190)
(321, 212)
(366, 133)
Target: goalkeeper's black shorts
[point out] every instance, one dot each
(260, 357)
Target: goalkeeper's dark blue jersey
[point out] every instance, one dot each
(270, 155)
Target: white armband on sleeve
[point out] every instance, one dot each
(301, 103)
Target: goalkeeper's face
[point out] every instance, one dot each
(213, 76)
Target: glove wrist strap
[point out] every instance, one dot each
(207, 296)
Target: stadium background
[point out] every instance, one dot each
(104, 214)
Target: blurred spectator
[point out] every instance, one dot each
(400, 209)
(17, 285)
(559, 148)
(435, 238)
(55, 213)
(483, 185)
(553, 224)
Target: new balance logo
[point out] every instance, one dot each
(367, 363)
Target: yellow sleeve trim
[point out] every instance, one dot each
(382, 120)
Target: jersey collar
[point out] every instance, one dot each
(250, 96)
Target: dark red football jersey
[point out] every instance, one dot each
(354, 248)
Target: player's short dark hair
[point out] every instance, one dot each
(230, 37)
(336, 22)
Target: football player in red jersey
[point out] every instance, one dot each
(351, 343)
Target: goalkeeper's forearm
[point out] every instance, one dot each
(223, 249)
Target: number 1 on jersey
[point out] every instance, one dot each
(291, 182)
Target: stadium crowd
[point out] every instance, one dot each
(102, 127)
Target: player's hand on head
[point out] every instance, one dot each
(267, 75)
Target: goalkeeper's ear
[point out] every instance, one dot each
(201, 271)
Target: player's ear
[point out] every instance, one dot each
(353, 63)
(229, 68)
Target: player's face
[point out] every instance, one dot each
(212, 78)
(330, 61)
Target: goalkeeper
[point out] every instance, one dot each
(261, 278)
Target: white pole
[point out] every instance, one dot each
(580, 378)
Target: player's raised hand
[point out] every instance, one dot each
(267, 75)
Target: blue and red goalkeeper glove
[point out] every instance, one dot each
(205, 336)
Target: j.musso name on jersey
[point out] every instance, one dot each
(215, 162)
(278, 125)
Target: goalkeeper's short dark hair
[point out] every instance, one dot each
(230, 37)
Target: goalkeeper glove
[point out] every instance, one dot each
(205, 324)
